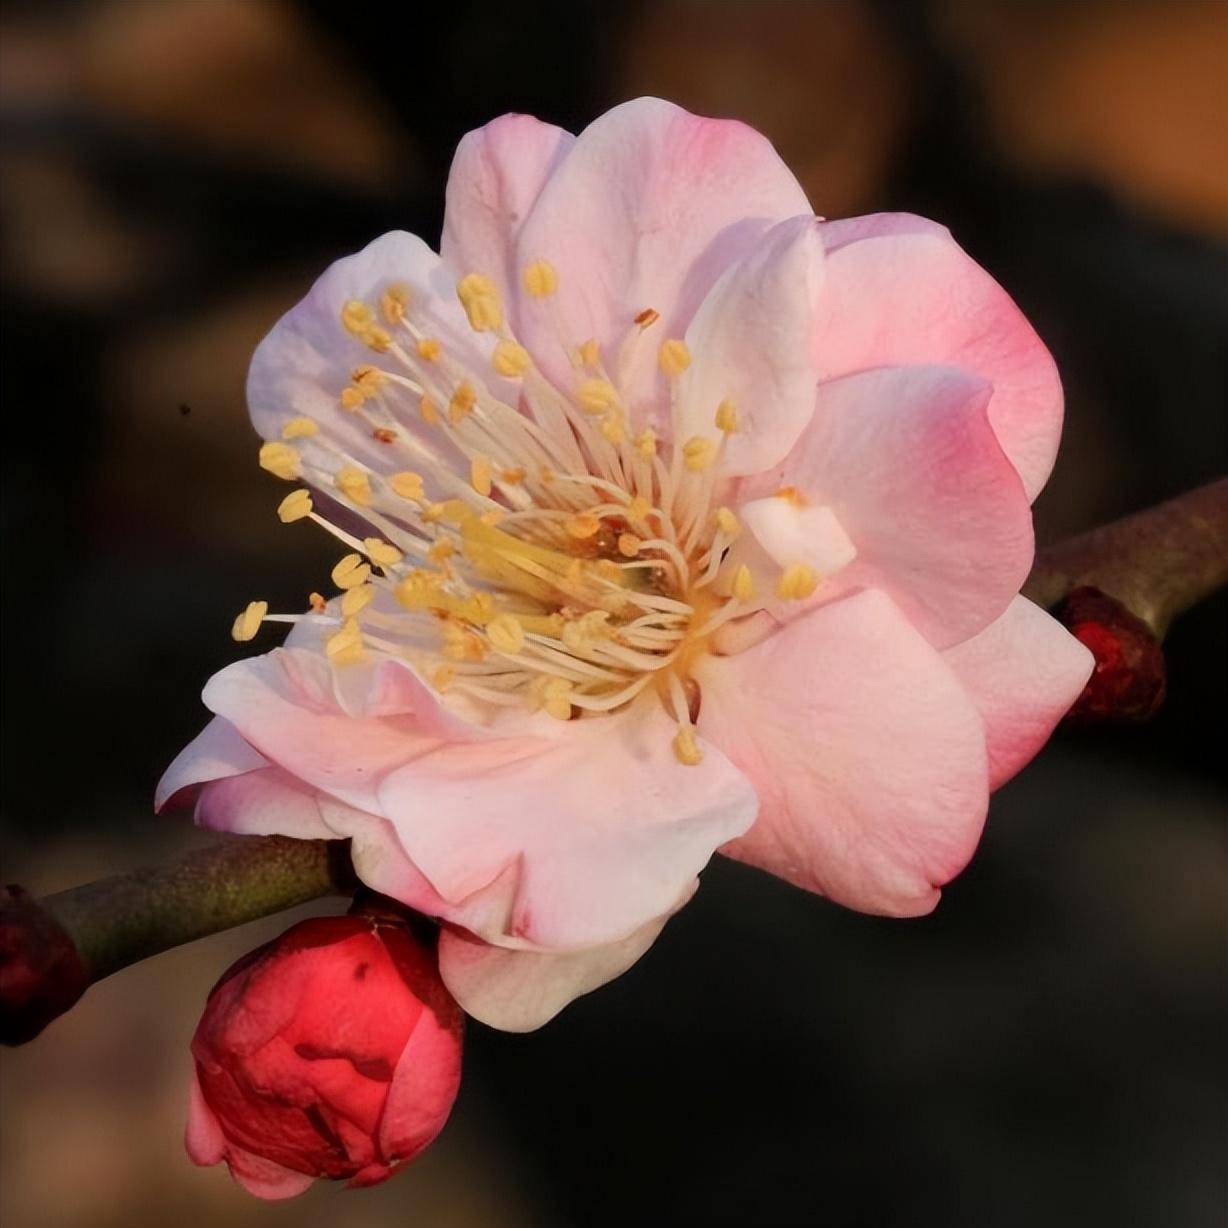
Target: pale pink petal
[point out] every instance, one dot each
(647, 210)
(753, 342)
(1023, 672)
(900, 290)
(267, 802)
(868, 756)
(604, 828)
(798, 533)
(497, 175)
(216, 752)
(202, 1137)
(302, 366)
(284, 704)
(908, 463)
(518, 991)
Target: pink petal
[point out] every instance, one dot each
(285, 705)
(302, 366)
(497, 175)
(753, 340)
(267, 802)
(1023, 672)
(602, 829)
(868, 757)
(648, 209)
(202, 1137)
(901, 290)
(216, 752)
(908, 463)
(518, 991)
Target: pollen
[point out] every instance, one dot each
(727, 417)
(429, 349)
(648, 317)
(377, 338)
(612, 428)
(352, 399)
(646, 443)
(540, 279)
(357, 317)
(299, 428)
(393, 302)
(317, 603)
(686, 748)
(345, 647)
(629, 545)
(407, 485)
(281, 460)
(429, 410)
(355, 485)
(248, 623)
(790, 494)
(480, 474)
(462, 402)
(743, 586)
(295, 506)
(381, 553)
(480, 299)
(582, 526)
(674, 357)
(590, 353)
(597, 395)
(355, 600)
(506, 634)
(796, 583)
(698, 453)
(510, 359)
(726, 522)
(351, 571)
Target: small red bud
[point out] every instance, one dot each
(1129, 682)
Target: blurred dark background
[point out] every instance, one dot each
(1047, 1048)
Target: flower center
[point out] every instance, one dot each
(526, 549)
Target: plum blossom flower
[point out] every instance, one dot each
(675, 520)
(333, 1051)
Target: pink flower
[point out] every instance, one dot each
(333, 1052)
(678, 521)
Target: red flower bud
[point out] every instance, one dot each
(334, 1051)
(1129, 680)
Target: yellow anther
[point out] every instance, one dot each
(299, 428)
(393, 302)
(609, 570)
(582, 526)
(726, 522)
(586, 630)
(295, 506)
(638, 508)
(317, 603)
(460, 644)
(248, 623)
(281, 460)
(743, 586)
(352, 398)
(355, 600)
(441, 551)
(727, 417)
(355, 485)
(553, 695)
(429, 349)
(510, 359)
(367, 377)
(384, 434)
(597, 395)
(407, 485)
(540, 279)
(589, 353)
(351, 571)
(790, 494)
(377, 338)
(674, 357)
(345, 646)
(613, 429)
(686, 748)
(442, 678)
(381, 553)
(648, 317)
(357, 317)
(545, 475)
(512, 477)
(796, 582)
(480, 299)
(462, 402)
(646, 443)
(492, 517)
(433, 513)
(629, 545)
(418, 590)
(698, 453)
(429, 410)
(505, 634)
(480, 473)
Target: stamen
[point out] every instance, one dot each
(540, 279)
(674, 357)
(299, 428)
(345, 647)
(295, 506)
(351, 571)
(282, 461)
(248, 623)
(796, 583)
